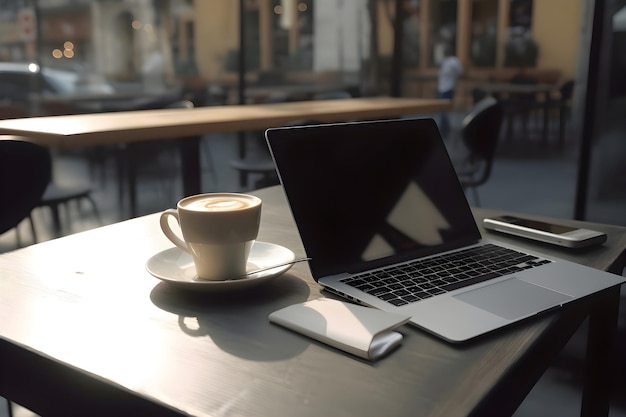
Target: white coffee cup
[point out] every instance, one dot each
(218, 231)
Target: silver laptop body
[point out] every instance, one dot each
(369, 196)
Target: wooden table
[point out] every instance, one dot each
(85, 330)
(513, 89)
(189, 124)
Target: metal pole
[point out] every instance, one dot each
(589, 121)
(398, 41)
(241, 139)
(242, 53)
(37, 81)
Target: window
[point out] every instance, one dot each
(443, 28)
(484, 41)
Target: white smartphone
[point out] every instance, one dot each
(556, 234)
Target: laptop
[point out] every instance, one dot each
(386, 223)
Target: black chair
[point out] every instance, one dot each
(55, 195)
(262, 163)
(25, 172)
(520, 105)
(58, 196)
(158, 160)
(560, 105)
(480, 134)
(563, 105)
(254, 156)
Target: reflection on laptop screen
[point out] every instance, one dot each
(371, 192)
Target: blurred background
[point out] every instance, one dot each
(81, 56)
(560, 151)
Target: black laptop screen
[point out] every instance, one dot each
(369, 193)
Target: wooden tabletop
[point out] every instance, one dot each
(124, 127)
(85, 328)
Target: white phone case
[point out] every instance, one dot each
(361, 331)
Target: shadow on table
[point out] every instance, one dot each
(238, 322)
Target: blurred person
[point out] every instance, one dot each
(449, 72)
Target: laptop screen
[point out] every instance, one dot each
(366, 194)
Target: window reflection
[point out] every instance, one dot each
(606, 195)
(111, 55)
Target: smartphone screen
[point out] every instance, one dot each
(534, 224)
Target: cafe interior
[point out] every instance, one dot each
(558, 151)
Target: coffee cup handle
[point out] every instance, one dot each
(165, 226)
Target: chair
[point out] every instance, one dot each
(155, 159)
(333, 95)
(263, 164)
(25, 172)
(560, 104)
(521, 105)
(480, 133)
(563, 105)
(57, 196)
(567, 91)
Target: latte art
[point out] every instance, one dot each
(222, 203)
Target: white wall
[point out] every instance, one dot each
(341, 35)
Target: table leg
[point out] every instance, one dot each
(192, 172)
(121, 160)
(131, 171)
(546, 118)
(241, 144)
(601, 358)
(241, 147)
(517, 382)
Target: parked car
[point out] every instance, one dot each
(50, 91)
(27, 85)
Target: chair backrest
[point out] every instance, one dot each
(332, 95)
(481, 131)
(523, 79)
(567, 89)
(25, 171)
(151, 150)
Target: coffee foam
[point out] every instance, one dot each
(219, 203)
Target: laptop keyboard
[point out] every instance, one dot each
(421, 279)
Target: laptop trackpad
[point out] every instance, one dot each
(513, 298)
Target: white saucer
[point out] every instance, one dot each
(176, 267)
